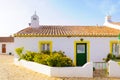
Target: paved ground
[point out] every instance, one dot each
(9, 71)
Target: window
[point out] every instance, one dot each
(48, 46)
(45, 45)
(80, 48)
(34, 18)
(115, 47)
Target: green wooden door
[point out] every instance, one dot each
(81, 54)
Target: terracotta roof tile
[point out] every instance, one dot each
(6, 39)
(64, 31)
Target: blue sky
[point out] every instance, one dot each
(15, 14)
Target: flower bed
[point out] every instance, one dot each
(84, 71)
(53, 59)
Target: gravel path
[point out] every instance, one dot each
(9, 71)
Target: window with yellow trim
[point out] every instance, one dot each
(45, 46)
(115, 46)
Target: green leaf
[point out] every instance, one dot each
(119, 36)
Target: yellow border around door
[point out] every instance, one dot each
(88, 50)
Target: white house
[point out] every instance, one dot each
(81, 43)
(6, 45)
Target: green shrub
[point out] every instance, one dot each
(66, 62)
(29, 55)
(58, 60)
(22, 57)
(59, 52)
(19, 51)
(46, 52)
(41, 58)
(118, 57)
(110, 56)
(55, 59)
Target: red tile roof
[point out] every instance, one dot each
(6, 39)
(68, 31)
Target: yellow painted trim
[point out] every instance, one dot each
(62, 35)
(45, 42)
(88, 50)
(111, 42)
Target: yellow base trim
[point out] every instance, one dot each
(88, 50)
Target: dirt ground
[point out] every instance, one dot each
(9, 71)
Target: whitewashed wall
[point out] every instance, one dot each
(9, 47)
(99, 47)
(114, 69)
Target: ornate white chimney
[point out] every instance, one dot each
(108, 19)
(34, 21)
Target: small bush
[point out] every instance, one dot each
(46, 52)
(59, 52)
(21, 57)
(118, 57)
(65, 61)
(110, 56)
(55, 59)
(58, 60)
(41, 58)
(28, 55)
(19, 51)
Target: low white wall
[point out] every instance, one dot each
(113, 69)
(33, 66)
(84, 71)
